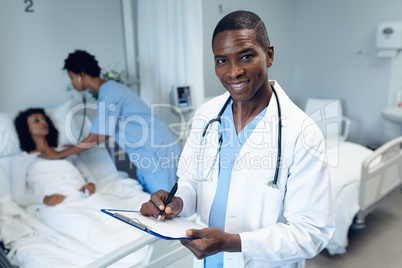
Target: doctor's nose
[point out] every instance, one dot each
(235, 71)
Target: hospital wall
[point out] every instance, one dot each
(323, 49)
(336, 57)
(35, 44)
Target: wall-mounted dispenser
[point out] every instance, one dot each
(389, 38)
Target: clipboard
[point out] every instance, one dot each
(169, 229)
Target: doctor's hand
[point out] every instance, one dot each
(90, 187)
(50, 153)
(52, 200)
(210, 241)
(155, 205)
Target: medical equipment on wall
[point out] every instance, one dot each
(181, 97)
(201, 152)
(182, 102)
(389, 38)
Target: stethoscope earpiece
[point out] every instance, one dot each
(79, 82)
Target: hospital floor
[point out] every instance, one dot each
(378, 245)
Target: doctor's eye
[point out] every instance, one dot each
(246, 57)
(220, 61)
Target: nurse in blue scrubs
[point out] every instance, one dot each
(121, 114)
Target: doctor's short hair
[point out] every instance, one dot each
(21, 124)
(243, 20)
(81, 61)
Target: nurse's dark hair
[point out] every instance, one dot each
(21, 124)
(243, 20)
(81, 61)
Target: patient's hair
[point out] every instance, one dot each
(81, 61)
(243, 20)
(21, 124)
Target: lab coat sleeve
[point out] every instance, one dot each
(19, 183)
(187, 168)
(79, 164)
(307, 210)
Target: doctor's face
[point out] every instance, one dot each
(241, 63)
(76, 81)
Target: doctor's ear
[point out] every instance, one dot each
(270, 55)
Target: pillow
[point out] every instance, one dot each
(68, 119)
(5, 167)
(9, 143)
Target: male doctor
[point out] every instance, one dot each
(228, 166)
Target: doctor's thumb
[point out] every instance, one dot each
(193, 233)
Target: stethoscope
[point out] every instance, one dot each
(84, 102)
(201, 152)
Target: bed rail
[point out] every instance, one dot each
(160, 253)
(381, 176)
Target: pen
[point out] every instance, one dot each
(171, 194)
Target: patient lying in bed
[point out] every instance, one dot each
(51, 190)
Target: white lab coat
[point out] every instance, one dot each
(278, 227)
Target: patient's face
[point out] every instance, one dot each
(37, 125)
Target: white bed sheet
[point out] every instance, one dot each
(345, 172)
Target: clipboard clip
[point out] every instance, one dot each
(132, 221)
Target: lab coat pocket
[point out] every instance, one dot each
(267, 205)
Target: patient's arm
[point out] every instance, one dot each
(86, 173)
(89, 142)
(18, 182)
(54, 199)
(90, 187)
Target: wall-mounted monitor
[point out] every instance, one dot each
(181, 97)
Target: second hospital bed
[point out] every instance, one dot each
(31, 243)
(360, 177)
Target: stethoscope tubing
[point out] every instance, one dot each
(278, 159)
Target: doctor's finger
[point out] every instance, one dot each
(158, 198)
(149, 209)
(195, 246)
(174, 207)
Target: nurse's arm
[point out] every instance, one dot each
(89, 142)
(210, 241)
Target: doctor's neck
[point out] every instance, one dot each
(94, 83)
(253, 106)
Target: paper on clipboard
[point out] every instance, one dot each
(174, 229)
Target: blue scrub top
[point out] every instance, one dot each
(145, 138)
(230, 149)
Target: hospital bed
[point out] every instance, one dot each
(33, 244)
(360, 178)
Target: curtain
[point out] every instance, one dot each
(170, 48)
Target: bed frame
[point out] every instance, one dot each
(381, 177)
(160, 253)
